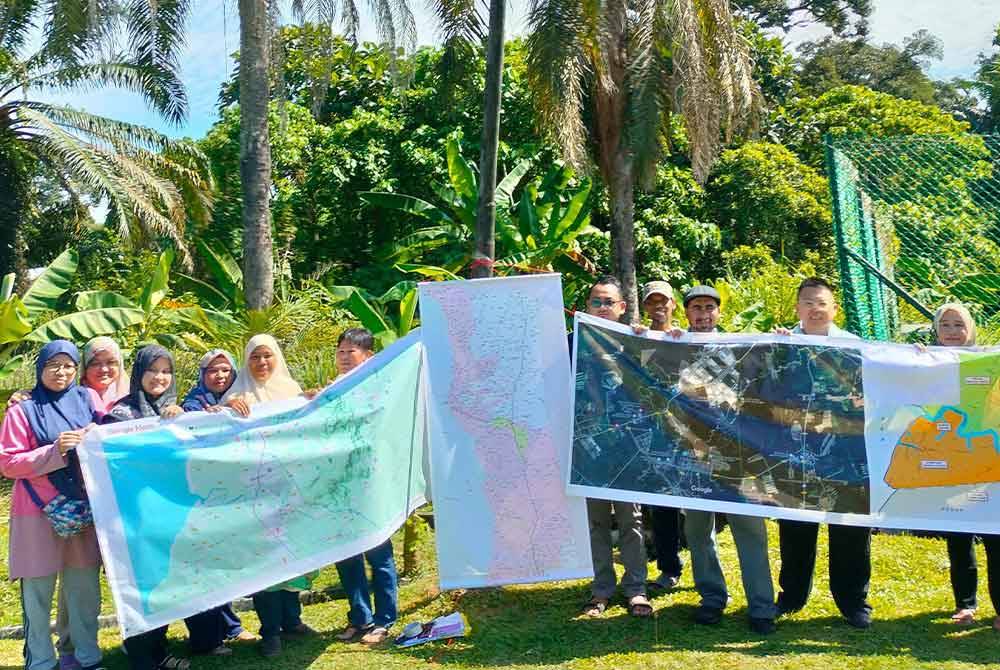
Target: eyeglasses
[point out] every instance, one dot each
(102, 364)
(55, 368)
(597, 303)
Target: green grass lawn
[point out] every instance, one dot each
(537, 626)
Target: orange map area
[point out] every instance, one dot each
(941, 451)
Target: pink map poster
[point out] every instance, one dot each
(499, 401)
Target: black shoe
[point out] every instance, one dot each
(270, 646)
(860, 619)
(762, 626)
(707, 616)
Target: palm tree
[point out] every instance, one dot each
(149, 183)
(607, 76)
(259, 20)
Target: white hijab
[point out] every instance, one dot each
(279, 386)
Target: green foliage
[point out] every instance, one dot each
(850, 110)
(899, 71)
(762, 194)
(842, 16)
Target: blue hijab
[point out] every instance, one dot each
(50, 412)
(200, 397)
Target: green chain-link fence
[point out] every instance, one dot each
(917, 223)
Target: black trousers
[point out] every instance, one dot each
(667, 539)
(850, 565)
(965, 575)
(146, 650)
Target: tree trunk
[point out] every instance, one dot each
(487, 210)
(13, 209)
(621, 189)
(255, 153)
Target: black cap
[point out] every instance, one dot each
(702, 292)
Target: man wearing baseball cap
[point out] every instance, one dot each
(703, 307)
(659, 304)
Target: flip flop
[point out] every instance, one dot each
(639, 606)
(595, 607)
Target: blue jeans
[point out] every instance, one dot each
(354, 579)
(278, 611)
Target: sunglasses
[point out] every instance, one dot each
(603, 302)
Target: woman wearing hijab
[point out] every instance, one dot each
(217, 371)
(954, 327)
(263, 378)
(37, 443)
(152, 393)
(104, 371)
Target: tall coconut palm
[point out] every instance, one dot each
(149, 182)
(607, 76)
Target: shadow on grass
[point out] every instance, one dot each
(533, 628)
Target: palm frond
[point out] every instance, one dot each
(155, 32)
(558, 64)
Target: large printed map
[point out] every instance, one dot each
(500, 429)
(759, 422)
(195, 512)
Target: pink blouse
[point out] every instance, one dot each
(35, 549)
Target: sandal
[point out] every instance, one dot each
(639, 606)
(595, 607)
(963, 617)
(352, 633)
(375, 635)
(171, 662)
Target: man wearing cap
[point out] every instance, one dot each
(658, 302)
(605, 300)
(703, 306)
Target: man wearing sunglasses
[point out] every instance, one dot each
(607, 302)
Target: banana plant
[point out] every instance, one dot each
(388, 316)
(538, 233)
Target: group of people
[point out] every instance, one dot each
(849, 546)
(53, 543)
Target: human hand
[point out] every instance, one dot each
(640, 329)
(781, 331)
(920, 347)
(171, 411)
(239, 406)
(675, 332)
(214, 409)
(18, 397)
(69, 439)
(309, 394)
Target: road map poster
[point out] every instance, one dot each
(791, 427)
(500, 425)
(195, 512)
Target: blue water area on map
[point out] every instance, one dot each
(137, 462)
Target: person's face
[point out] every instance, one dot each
(157, 377)
(102, 371)
(262, 363)
(218, 375)
(58, 373)
(816, 309)
(350, 356)
(606, 302)
(702, 314)
(951, 330)
(660, 309)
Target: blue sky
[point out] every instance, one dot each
(964, 26)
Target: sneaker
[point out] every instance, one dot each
(707, 616)
(860, 619)
(300, 630)
(270, 646)
(665, 582)
(762, 626)
(69, 662)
